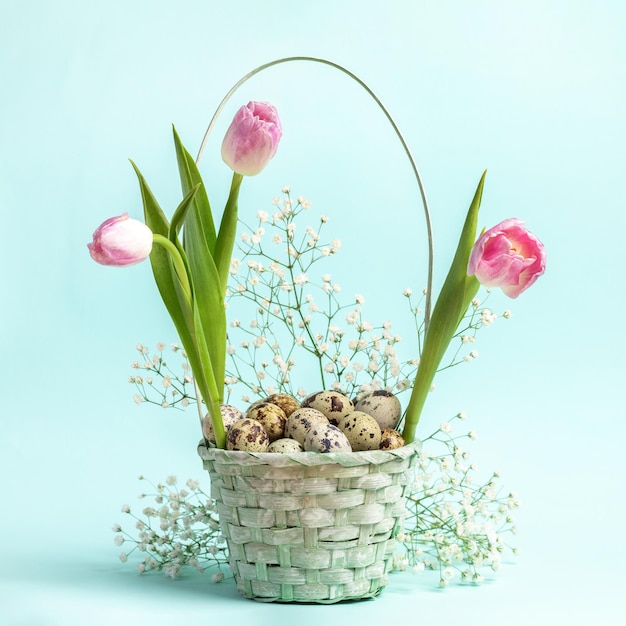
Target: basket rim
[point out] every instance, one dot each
(279, 459)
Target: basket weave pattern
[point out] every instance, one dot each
(310, 527)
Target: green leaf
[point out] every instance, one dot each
(199, 241)
(201, 218)
(181, 211)
(164, 274)
(201, 325)
(213, 389)
(457, 292)
(153, 214)
(228, 231)
(209, 300)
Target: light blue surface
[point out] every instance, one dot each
(534, 91)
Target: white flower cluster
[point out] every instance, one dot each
(299, 317)
(182, 529)
(454, 524)
(160, 384)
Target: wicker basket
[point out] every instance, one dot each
(310, 527)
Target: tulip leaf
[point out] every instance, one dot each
(153, 214)
(457, 292)
(208, 295)
(199, 241)
(201, 218)
(181, 211)
(212, 391)
(228, 231)
(165, 276)
(200, 320)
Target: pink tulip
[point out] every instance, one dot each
(252, 138)
(121, 241)
(507, 256)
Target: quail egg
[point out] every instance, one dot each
(248, 435)
(362, 431)
(286, 402)
(285, 446)
(383, 406)
(391, 439)
(230, 415)
(271, 416)
(332, 404)
(301, 420)
(326, 438)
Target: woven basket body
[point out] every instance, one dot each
(310, 527)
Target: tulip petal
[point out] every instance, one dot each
(252, 138)
(507, 256)
(121, 241)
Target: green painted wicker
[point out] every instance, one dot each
(310, 527)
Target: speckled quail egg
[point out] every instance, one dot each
(391, 439)
(332, 404)
(362, 431)
(248, 435)
(301, 420)
(230, 415)
(271, 416)
(383, 406)
(285, 446)
(326, 438)
(286, 402)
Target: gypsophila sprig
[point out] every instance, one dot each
(477, 316)
(179, 530)
(301, 314)
(159, 383)
(455, 524)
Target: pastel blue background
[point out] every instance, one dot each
(532, 90)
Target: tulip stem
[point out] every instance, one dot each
(429, 232)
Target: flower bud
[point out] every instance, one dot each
(252, 138)
(507, 256)
(121, 241)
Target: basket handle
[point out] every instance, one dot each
(418, 178)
